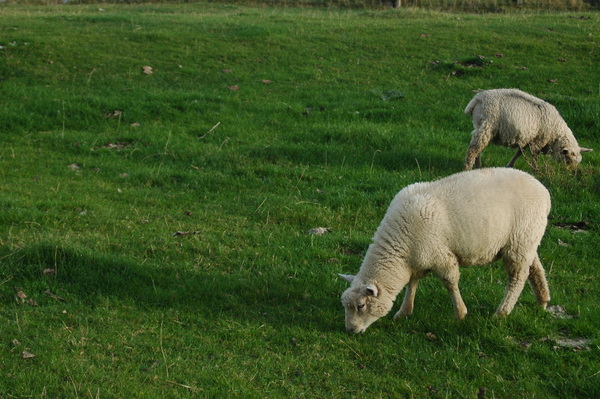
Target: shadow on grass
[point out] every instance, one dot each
(85, 278)
(390, 159)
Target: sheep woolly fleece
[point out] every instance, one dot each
(513, 118)
(469, 218)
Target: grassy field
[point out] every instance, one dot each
(161, 165)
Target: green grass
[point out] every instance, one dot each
(256, 125)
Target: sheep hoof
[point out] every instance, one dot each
(461, 316)
(402, 315)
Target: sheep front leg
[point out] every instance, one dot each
(537, 280)
(514, 159)
(409, 299)
(450, 279)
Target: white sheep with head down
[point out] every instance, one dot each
(513, 118)
(469, 218)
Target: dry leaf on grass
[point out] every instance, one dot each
(185, 233)
(431, 336)
(113, 115)
(27, 355)
(576, 344)
(20, 297)
(576, 227)
(118, 145)
(234, 88)
(525, 344)
(433, 390)
(319, 231)
(559, 312)
(147, 70)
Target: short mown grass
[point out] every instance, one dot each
(153, 227)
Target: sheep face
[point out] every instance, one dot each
(567, 151)
(364, 305)
(571, 156)
(568, 155)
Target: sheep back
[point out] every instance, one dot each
(517, 118)
(472, 216)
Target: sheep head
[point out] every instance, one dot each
(569, 156)
(364, 304)
(569, 153)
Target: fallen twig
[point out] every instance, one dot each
(54, 296)
(185, 233)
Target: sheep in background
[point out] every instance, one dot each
(468, 218)
(513, 118)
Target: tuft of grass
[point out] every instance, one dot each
(154, 227)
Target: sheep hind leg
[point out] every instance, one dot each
(480, 138)
(478, 164)
(517, 276)
(409, 299)
(537, 280)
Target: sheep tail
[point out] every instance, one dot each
(472, 104)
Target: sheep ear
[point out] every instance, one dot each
(582, 149)
(372, 290)
(348, 277)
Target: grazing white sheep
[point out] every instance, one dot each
(469, 218)
(513, 118)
